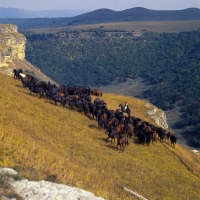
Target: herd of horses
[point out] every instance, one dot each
(118, 124)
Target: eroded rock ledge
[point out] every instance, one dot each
(12, 46)
(157, 115)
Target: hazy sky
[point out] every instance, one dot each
(96, 4)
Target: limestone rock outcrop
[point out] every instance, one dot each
(12, 46)
(157, 115)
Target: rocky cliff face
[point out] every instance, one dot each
(12, 46)
(157, 115)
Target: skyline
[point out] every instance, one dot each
(91, 5)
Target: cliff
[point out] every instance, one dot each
(157, 115)
(12, 46)
(12, 53)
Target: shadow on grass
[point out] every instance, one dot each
(19, 86)
(107, 143)
(112, 146)
(93, 126)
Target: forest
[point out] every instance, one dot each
(169, 62)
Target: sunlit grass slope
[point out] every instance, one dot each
(44, 141)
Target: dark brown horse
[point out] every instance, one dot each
(122, 141)
(114, 122)
(96, 92)
(154, 136)
(129, 130)
(121, 128)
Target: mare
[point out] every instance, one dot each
(35, 89)
(102, 122)
(122, 141)
(173, 140)
(129, 129)
(121, 128)
(16, 73)
(154, 136)
(85, 107)
(161, 133)
(112, 122)
(96, 92)
(58, 98)
(123, 110)
(111, 134)
(26, 81)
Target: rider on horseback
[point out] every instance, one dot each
(126, 107)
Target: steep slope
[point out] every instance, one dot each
(44, 141)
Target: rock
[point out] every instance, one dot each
(45, 190)
(195, 151)
(157, 115)
(8, 171)
(12, 45)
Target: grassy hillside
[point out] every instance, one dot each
(44, 141)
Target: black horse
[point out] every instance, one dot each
(125, 110)
(16, 73)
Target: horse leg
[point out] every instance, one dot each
(123, 145)
(107, 139)
(112, 140)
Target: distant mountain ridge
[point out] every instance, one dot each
(22, 13)
(136, 14)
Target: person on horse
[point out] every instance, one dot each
(125, 107)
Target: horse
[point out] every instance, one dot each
(112, 122)
(85, 107)
(16, 73)
(60, 99)
(96, 92)
(129, 129)
(36, 89)
(172, 138)
(111, 134)
(122, 141)
(125, 110)
(102, 122)
(121, 128)
(141, 137)
(28, 80)
(161, 133)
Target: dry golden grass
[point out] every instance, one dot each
(44, 141)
